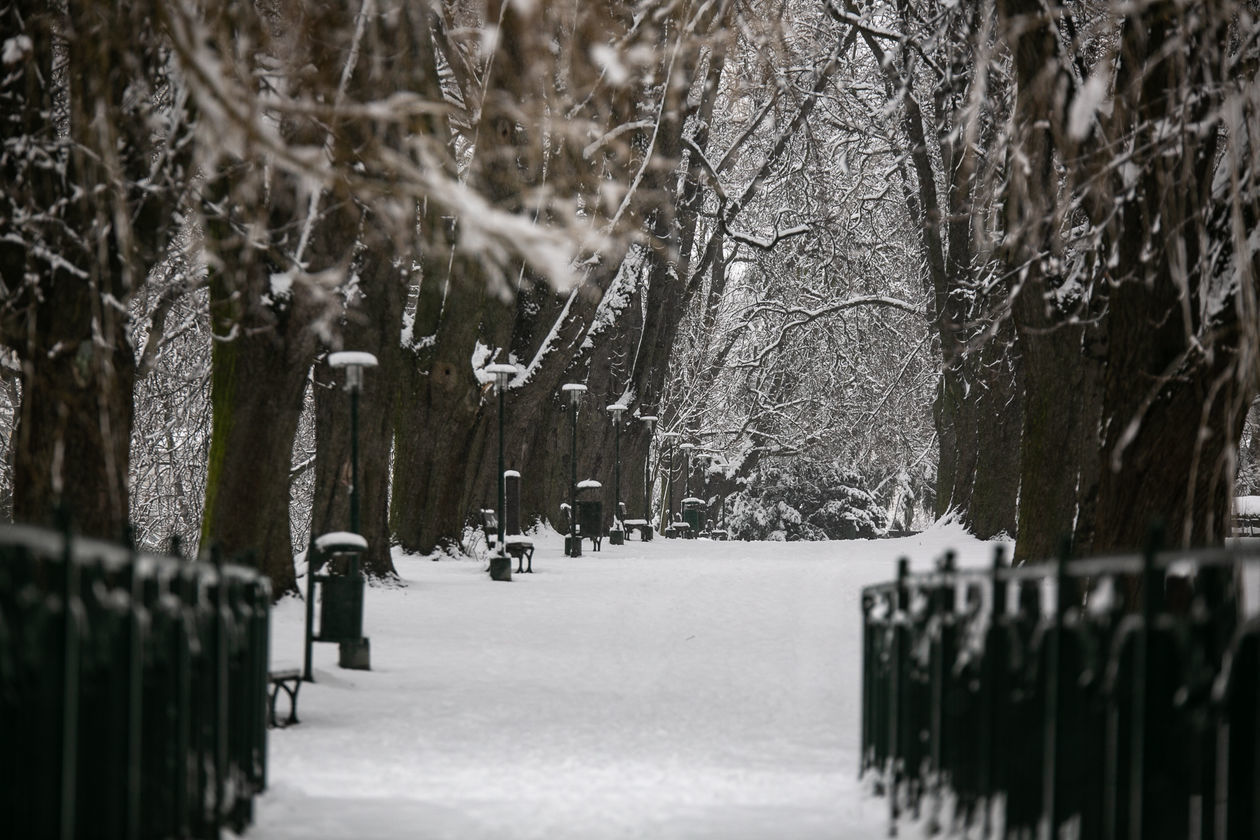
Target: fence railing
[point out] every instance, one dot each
(1106, 698)
(132, 690)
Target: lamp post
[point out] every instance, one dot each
(668, 500)
(617, 535)
(500, 565)
(687, 504)
(650, 419)
(686, 448)
(573, 543)
(354, 652)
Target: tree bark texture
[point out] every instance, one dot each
(1062, 405)
(256, 387)
(74, 435)
(1171, 427)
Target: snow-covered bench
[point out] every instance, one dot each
(678, 529)
(711, 532)
(522, 548)
(490, 527)
(641, 525)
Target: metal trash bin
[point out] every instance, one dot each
(590, 512)
(692, 510)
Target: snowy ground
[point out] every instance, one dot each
(671, 689)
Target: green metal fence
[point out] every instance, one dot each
(132, 691)
(1106, 698)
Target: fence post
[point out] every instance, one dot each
(69, 677)
(867, 681)
(1141, 687)
(944, 598)
(312, 554)
(989, 707)
(1054, 682)
(135, 692)
(219, 704)
(898, 620)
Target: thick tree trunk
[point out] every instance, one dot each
(439, 433)
(1173, 419)
(74, 438)
(1062, 402)
(996, 490)
(257, 383)
(977, 416)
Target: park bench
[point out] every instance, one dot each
(289, 681)
(678, 529)
(711, 532)
(522, 548)
(641, 525)
(490, 527)
(628, 525)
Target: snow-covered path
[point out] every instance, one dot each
(666, 690)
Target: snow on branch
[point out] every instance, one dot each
(798, 317)
(766, 242)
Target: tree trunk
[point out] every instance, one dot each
(997, 489)
(1062, 405)
(977, 415)
(439, 434)
(257, 382)
(74, 437)
(1172, 421)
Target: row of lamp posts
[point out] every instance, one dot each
(500, 565)
(572, 542)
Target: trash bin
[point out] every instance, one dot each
(692, 510)
(590, 512)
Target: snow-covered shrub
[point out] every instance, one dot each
(804, 501)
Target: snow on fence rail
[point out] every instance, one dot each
(1128, 707)
(139, 710)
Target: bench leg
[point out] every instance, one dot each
(293, 695)
(271, 705)
(292, 692)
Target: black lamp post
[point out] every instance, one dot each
(354, 652)
(686, 448)
(573, 543)
(668, 514)
(687, 504)
(650, 419)
(500, 565)
(618, 534)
